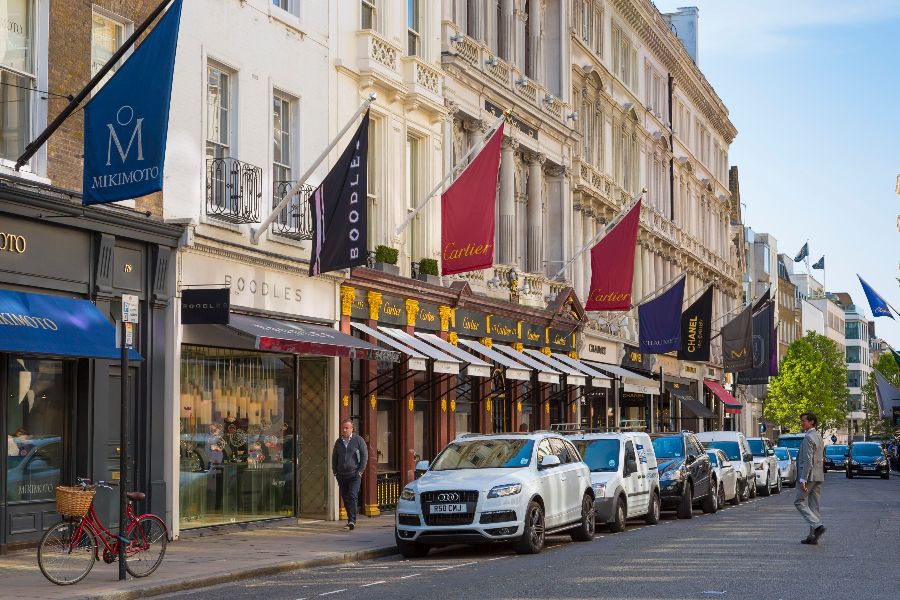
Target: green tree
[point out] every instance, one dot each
(888, 367)
(812, 378)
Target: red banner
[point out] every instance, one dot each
(612, 265)
(467, 213)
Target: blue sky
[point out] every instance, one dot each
(813, 87)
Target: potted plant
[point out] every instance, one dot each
(428, 271)
(386, 259)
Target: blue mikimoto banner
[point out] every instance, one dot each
(126, 123)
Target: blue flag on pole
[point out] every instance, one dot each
(660, 321)
(878, 304)
(127, 121)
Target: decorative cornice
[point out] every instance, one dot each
(374, 299)
(412, 311)
(347, 294)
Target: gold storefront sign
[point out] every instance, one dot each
(11, 242)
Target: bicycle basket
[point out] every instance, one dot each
(73, 501)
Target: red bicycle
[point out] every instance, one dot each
(68, 550)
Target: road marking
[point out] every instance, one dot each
(373, 583)
(408, 576)
(332, 592)
(498, 558)
(455, 566)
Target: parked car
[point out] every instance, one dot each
(685, 475)
(867, 458)
(765, 465)
(33, 467)
(734, 445)
(726, 476)
(787, 466)
(835, 456)
(791, 441)
(490, 488)
(623, 474)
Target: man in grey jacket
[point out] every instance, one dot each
(810, 475)
(348, 463)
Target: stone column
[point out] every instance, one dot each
(535, 214)
(579, 276)
(506, 30)
(507, 250)
(661, 278)
(587, 232)
(648, 274)
(536, 67)
(369, 410)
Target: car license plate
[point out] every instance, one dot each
(447, 508)
(868, 468)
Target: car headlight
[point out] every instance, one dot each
(673, 474)
(408, 494)
(599, 489)
(509, 489)
(854, 463)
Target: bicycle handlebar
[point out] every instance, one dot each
(85, 482)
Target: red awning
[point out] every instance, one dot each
(732, 406)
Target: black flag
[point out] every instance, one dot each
(763, 299)
(695, 329)
(762, 340)
(820, 264)
(737, 342)
(339, 209)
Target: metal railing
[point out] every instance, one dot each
(388, 489)
(295, 220)
(233, 190)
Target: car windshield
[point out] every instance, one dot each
(790, 442)
(484, 454)
(757, 447)
(600, 455)
(668, 447)
(866, 450)
(781, 453)
(712, 459)
(835, 450)
(794, 452)
(731, 449)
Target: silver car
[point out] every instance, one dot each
(787, 466)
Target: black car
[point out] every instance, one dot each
(867, 458)
(835, 457)
(685, 475)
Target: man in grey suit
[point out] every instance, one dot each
(810, 475)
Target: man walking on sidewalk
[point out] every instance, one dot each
(348, 462)
(810, 475)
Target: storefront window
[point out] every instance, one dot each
(35, 428)
(16, 77)
(466, 414)
(237, 436)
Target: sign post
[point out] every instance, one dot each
(130, 306)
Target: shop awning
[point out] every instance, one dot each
(415, 361)
(632, 382)
(545, 373)
(732, 405)
(697, 408)
(303, 338)
(56, 326)
(443, 363)
(573, 376)
(514, 370)
(598, 379)
(475, 367)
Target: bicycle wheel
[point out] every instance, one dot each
(66, 553)
(147, 539)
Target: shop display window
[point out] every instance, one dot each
(35, 428)
(237, 436)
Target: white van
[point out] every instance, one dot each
(623, 475)
(735, 447)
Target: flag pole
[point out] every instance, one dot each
(257, 232)
(699, 292)
(737, 308)
(430, 195)
(32, 148)
(657, 292)
(600, 234)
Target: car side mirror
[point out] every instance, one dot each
(422, 465)
(691, 458)
(770, 452)
(726, 464)
(551, 460)
(748, 457)
(630, 466)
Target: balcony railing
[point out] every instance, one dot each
(233, 190)
(295, 219)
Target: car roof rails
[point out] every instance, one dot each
(566, 427)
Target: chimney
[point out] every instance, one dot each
(684, 24)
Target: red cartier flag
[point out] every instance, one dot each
(612, 265)
(467, 213)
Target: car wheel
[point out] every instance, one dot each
(617, 525)
(778, 483)
(737, 494)
(745, 491)
(686, 508)
(652, 517)
(585, 530)
(886, 476)
(849, 475)
(752, 486)
(720, 501)
(710, 504)
(766, 490)
(411, 549)
(532, 540)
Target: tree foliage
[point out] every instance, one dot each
(888, 367)
(812, 378)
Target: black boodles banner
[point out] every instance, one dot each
(695, 329)
(339, 209)
(737, 342)
(205, 306)
(762, 339)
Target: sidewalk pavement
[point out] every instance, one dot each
(210, 557)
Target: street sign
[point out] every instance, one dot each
(130, 308)
(833, 439)
(129, 334)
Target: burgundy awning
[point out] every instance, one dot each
(732, 406)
